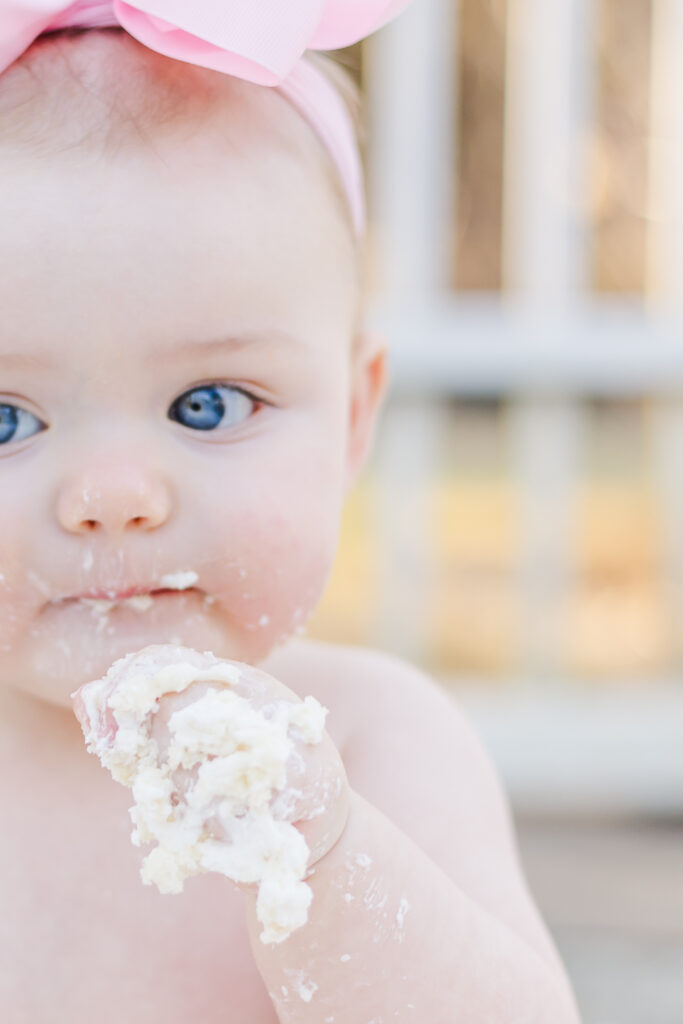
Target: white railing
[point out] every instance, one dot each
(545, 343)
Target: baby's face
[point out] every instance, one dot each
(175, 387)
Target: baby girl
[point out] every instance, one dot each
(187, 393)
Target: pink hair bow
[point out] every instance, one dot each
(258, 40)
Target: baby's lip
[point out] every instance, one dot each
(122, 595)
(117, 595)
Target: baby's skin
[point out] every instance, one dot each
(382, 907)
(186, 388)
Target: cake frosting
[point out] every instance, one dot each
(229, 812)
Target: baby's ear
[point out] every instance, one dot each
(369, 378)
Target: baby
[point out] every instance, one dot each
(187, 393)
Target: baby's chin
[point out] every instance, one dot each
(71, 645)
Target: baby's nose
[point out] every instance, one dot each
(114, 507)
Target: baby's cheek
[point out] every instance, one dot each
(8, 625)
(17, 601)
(277, 579)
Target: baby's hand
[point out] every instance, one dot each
(315, 795)
(230, 771)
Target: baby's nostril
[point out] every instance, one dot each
(90, 523)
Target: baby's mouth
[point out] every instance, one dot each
(152, 607)
(139, 597)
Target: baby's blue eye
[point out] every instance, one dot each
(205, 407)
(13, 423)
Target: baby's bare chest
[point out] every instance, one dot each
(82, 939)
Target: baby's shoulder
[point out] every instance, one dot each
(341, 668)
(366, 690)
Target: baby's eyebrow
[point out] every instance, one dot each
(275, 337)
(28, 360)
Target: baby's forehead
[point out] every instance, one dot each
(101, 88)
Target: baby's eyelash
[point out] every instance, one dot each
(230, 385)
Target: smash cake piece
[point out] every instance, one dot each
(215, 799)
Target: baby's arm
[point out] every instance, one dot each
(420, 912)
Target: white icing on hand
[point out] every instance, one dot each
(240, 754)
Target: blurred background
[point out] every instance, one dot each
(519, 531)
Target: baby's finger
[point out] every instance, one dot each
(92, 701)
(315, 799)
(98, 720)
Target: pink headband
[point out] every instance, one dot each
(261, 41)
